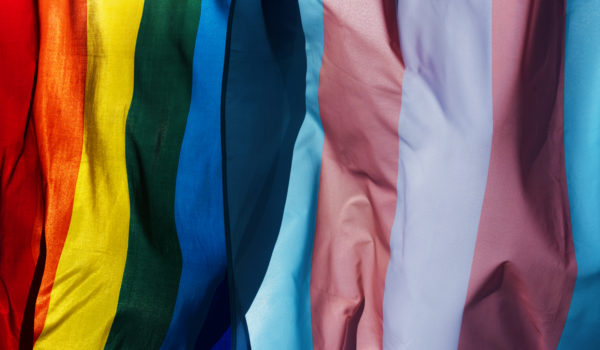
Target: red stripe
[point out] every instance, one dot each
(20, 174)
(523, 271)
(359, 99)
(58, 115)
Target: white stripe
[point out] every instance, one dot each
(445, 132)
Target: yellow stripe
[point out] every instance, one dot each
(84, 298)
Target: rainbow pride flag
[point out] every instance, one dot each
(300, 174)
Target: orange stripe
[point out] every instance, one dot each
(58, 117)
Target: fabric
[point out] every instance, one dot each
(116, 189)
(21, 200)
(299, 174)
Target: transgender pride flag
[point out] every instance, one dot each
(300, 174)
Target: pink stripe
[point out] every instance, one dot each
(359, 99)
(524, 266)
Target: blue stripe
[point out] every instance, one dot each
(582, 157)
(224, 342)
(279, 317)
(199, 194)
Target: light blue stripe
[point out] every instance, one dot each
(279, 317)
(199, 193)
(582, 157)
(445, 132)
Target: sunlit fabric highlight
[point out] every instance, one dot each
(101, 191)
(58, 109)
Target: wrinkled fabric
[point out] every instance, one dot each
(299, 174)
(21, 201)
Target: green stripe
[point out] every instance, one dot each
(154, 132)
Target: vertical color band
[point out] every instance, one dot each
(153, 135)
(445, 133)
(199, 188)
(359, 100)
(84, 299)
(21, 203)
(58, 114)
(284, 295)
(582, 156)
(523, 267)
